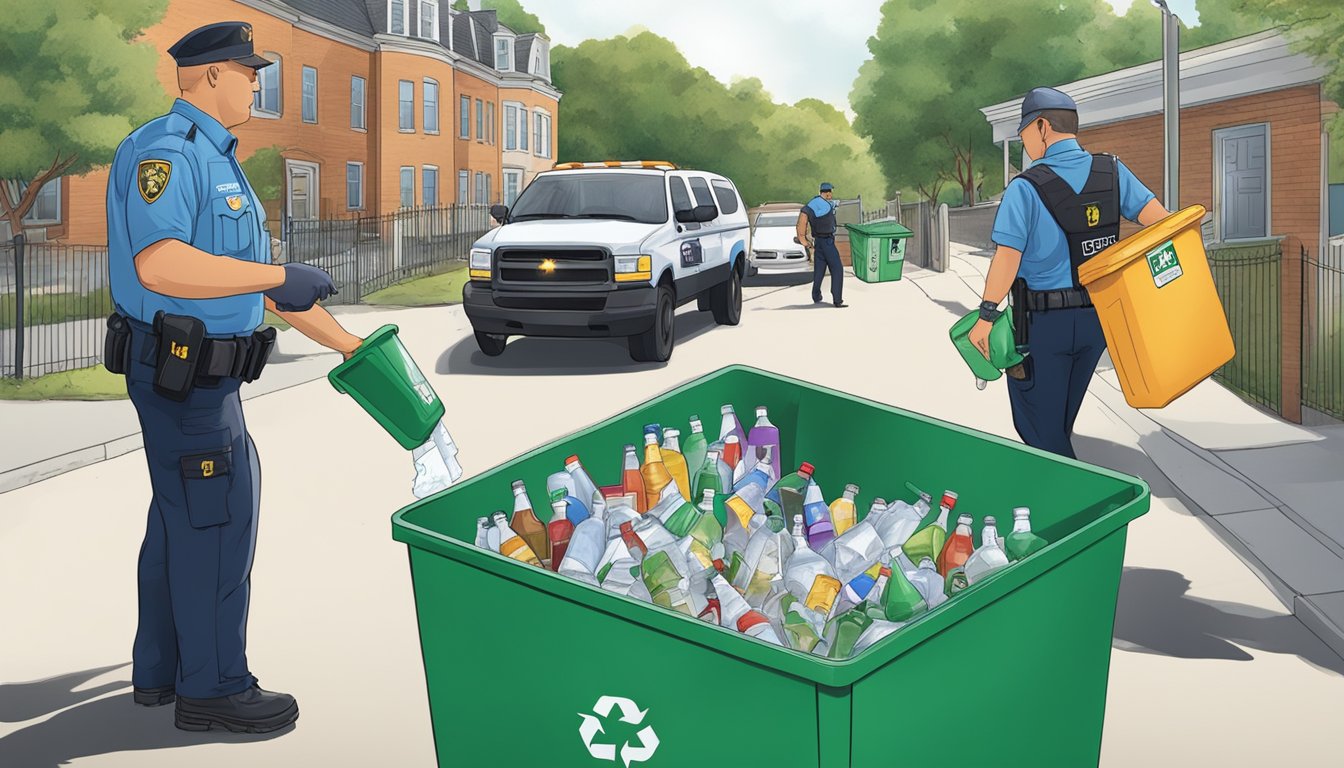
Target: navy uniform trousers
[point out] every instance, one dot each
(202, 532)
(1065, 347)
(826, 256)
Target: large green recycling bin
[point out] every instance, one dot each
(525, 667)
(877, 250)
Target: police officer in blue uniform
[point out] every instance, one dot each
(191, 276)
(1059, 213)
(819, 213)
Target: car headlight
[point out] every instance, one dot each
(633, 268)
(480, 264)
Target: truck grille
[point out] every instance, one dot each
(573, 267)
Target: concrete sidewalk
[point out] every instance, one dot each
(1268, 489)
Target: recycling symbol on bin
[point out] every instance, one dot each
(631, 714)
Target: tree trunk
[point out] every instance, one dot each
(18, 304)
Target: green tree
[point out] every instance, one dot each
(265, 171)
(74, 81)
(512, 15)
(636, 97)
(461, 5)
(1316, 27)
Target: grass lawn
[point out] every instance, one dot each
(93, 383)
(42, 309)
(444, 288)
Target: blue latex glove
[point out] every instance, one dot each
(304, 286)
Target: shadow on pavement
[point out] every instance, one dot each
(1129, 460)
(955, 307)
(104, 726)
(534, 356)
(25, 701)
(787, 279)
(1156, 615)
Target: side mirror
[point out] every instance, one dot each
(706, 213)
(499, 213)
(686, 216)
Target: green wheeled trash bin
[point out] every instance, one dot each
(527, 667)
(385, 381)
(877, 250)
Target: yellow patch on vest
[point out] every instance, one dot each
(151, 178)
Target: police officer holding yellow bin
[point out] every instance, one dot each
(191, 275)
(1057, 214)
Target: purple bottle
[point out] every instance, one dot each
(763, 441)
(817, 516)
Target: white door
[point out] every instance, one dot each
(303, 190)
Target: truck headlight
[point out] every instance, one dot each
(631, 269)
(480, 264)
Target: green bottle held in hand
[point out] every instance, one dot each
(1022, 542)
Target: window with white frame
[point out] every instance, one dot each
(354, 186)
(429, 19)
(266, 101)
(407, 186)
(357, 120)
(46, 206)
(480, 121)
(511, 127)
(406, 105)
(431, 106)
(463, 186)
(396, 17)
(541, 134)
(464, 118)
(429, 184)
(513, 184)
(309, 95)
(490, 123)
(503, 53)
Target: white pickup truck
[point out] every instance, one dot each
(609, 249)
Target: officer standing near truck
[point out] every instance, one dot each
(1057, 214)
(191, 275)
(819, 213)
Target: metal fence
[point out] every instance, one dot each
(53, 310)
(1323, 331)
(369, 253)
(1248, 281)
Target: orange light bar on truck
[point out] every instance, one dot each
(658, 164)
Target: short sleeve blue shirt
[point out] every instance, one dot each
(176, 177)
(1024, 224)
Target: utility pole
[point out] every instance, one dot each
(1171, 106)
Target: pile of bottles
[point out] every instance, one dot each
(736, 544)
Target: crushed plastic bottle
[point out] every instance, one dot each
(1022, 542)
(929, 540)
(527, 524)
(958, 548)
(558, 532)
(817, 517)
(897, 523)
(664, 582)
(632, 480)
(738, 615)
(436, 466)
(763, 443)
(990, 557)
(858, 550)
(654, 473)
(805, 566)
(802, 628)
(761, 475)
(583, 556)
(675, 462)
(767, 551)
(928, 581)
(667, 504)
(843, 513)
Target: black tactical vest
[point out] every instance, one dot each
(1091, 218)
(822, 226)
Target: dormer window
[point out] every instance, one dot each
(503, 53)
(396, 17)
(429, 19)
(541, 59)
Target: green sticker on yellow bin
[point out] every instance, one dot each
(1163, 263)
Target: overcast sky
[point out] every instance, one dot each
(794, 49)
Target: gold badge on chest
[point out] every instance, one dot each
(235, 202)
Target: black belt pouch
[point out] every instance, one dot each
(181, 349)
(117, 345)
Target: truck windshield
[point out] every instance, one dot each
(621, 196)
(777, 219)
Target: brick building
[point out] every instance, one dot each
(373, 105)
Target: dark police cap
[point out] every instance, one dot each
(826, 186)
(225, 41)
(1042, 99)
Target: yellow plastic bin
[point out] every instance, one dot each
(1164, 324)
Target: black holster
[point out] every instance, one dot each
(1021, 329)
(117, 345)
(181, 350)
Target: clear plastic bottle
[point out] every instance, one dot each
(897, 523)
(675, 462)
(929, 540)
(559, 531)
(494, 535)
(694, 449)
(762, 474)
(732, 452)
(958, 548)
(527, 524)
(584, 487)
(767, 551)
(730, 426)
(990, 557)
(843, 513)
(632, 480)
(930, 583)
(857, 550)
(763, 442)
(483, 532)
(802, 570)
(707, 536)
(876, 511)
(583, 555)
(654, 473)
(738, 615)
(1022, 542)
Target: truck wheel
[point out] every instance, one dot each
(492, 344)
(655, 345)
(726, 299)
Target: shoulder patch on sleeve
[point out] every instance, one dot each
(151, 178)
